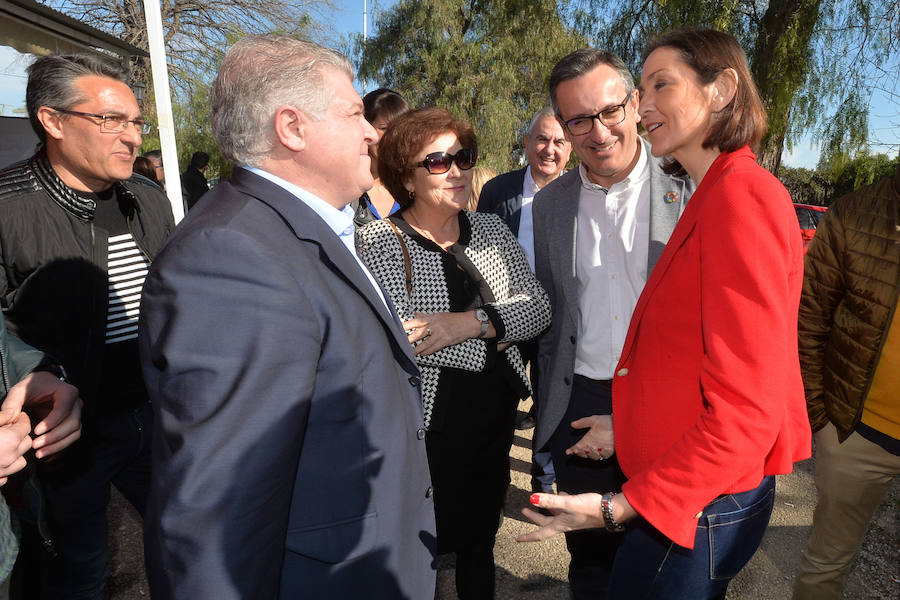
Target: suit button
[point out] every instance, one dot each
(622, 372)
(567, 381)
(429, 492)
(572, 339)
(420, 434)
(415, 380)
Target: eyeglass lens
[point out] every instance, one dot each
(440, 162)
(608, 118)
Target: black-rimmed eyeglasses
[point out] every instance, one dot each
(608, 117)
(110, 123)
(440, 162)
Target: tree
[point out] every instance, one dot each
(814, 61)
(196, 32)
(487, 61)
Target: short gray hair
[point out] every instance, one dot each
(544, 112)
(260, 73)
(51, 82)
(584, 61)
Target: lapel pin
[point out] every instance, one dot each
(670, 197)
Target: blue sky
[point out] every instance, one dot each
(884, 117)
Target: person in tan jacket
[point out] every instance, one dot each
(849, 332)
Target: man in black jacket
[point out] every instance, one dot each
(76, 238)
(193, 181)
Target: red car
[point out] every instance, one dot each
(809, 217)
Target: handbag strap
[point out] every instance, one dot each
(407, 264)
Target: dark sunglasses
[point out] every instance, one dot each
(440, 162)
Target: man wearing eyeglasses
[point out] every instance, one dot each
(76, 239)
(598, 231)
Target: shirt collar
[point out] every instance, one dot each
(338, 220)
(638, 173)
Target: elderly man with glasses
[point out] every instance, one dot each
(76, 238)
(598, 231)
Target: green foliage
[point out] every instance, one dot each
(840, 174)
(487, 61)
(816, 62)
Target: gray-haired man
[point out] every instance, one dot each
(290, 456)
(510, 196)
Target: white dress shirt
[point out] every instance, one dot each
(340, 221)
(611, 250)
(526, 220)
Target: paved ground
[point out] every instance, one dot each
(537, 571)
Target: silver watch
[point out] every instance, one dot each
(482, 316)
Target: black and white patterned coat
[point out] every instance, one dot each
(521, 304)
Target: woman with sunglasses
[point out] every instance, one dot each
(463, 289)
(707, 395)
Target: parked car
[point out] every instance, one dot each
(809, 217)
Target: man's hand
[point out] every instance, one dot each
(598, 443)
(14, 441)
(56, 405)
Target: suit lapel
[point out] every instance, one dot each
(668, 198)
(308, 226)
(565, 204)
(682, 229)
(514, 194)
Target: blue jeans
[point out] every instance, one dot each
(649, 565)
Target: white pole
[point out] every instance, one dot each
(164, 107)
(365, 32)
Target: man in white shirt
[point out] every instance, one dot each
(510, 196)
(598, 231)
(290, 457)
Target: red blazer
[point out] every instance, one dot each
(707, 398)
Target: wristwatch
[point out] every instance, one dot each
(482, 316)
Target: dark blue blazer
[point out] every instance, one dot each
(288, 451)
(502, 196)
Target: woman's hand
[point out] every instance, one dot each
(598, 443)
(569, 513)
(439, 330)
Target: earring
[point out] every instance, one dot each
(412, 195)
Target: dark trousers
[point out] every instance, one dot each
(118, 454)
(592, 551)
(542, 474)
(650, 566)
(475, 570)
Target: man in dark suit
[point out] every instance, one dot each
(598, 231)
(510, 196)
(289, 460)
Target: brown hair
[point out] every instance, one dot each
(405, 138)
(383, 103)
(143, 166)
(708, 52)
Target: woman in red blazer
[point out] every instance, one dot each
(708, 403)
